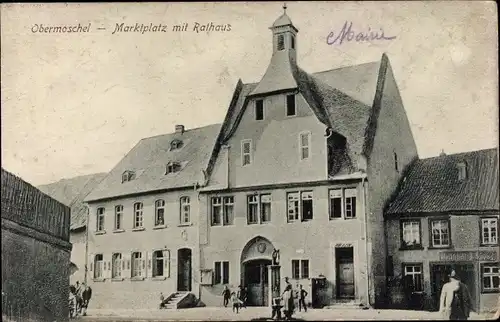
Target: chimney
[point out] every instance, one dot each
(442, 154)
(179, 129)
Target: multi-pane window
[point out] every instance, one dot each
(491, 277)
(258, 208)
(138, 218)
(440, 233)
(116, 265)
(281, 42)
(98, 266)
(185, 210)
(290, 105)
(100, 219)
(489, 231)
(410, 233)
(246, 152)
(222, 210)
(413, 277)
(259, 110)
(160, 212)
(304, 144)
(265, 208)
(118, 217)
(300, 268)
(342, 203)
(161, 261)
(253, 208)
(300, 206)
(221, 272)
(137, 265)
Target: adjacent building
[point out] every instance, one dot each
(35, 253)
(71, 193)
(445, 215)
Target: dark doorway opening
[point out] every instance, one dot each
(184, 270)
(439, 276)
(256, 279)
(344, 259)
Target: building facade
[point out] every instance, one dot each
(35, 253)
(303, 164)
(445, 216)
(71, 193)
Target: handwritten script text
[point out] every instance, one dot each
(348, 34)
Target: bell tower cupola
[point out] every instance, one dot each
(285, 35)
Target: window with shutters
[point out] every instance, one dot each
(246, 152)
(98, 266)
(137, 265)
(304, 145)
(100, 219)
(161, 262)
(221, 272)
(138, 218)
(116, 265)
(185, 210)
(342, 203)
(160, 212)
(118, 217)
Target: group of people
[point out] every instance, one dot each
(79, 297)
(287, 301)
(238, 299)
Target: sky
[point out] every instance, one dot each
(75, 104)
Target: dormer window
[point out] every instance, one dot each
(281, 42)
(175, 144)
(128, 176)
(462, 171)
(173, 167)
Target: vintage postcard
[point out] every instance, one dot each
(250, 161)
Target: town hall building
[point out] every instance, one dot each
(302, 166)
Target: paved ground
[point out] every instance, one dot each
(262, 314)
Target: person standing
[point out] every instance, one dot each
(226, 293)
(302, 298)
(235, 301)
(455, 301)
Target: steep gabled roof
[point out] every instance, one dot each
(346, 99)
(433, 185)
(149, 158)
(71, 192)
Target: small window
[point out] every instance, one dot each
(489, 231)
(304, 143)
(300, 268)
(246, 152)
(116, 266)
(175, 144)
(259, 110)
(281, 42)
(491, 277)
(350, 203)
(221, 272)
(300, 206)
(173, 167)
(396, 166)
(98, 266)
(222, 210)
(128, 176)
(462, 171)
(290, 105)
(413, 279)
(100, 219)
(292, 41)
(185, 210)
(160, 212)
(138, 218)
(440, 233)
(118, 217)
(138, 265)
(410, 234)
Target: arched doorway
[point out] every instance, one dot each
(184, 270)
(255, 259)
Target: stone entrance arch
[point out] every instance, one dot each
(256, 256)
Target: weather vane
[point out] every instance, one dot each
(284, 7)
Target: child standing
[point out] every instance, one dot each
(236, 301)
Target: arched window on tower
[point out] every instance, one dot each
(281, 42)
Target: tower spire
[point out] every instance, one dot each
(284, 7)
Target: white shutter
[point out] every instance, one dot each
(150, 264)
(143, 264)
(126, 265)
(106, 270)
(166, 263)
(90, 268)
